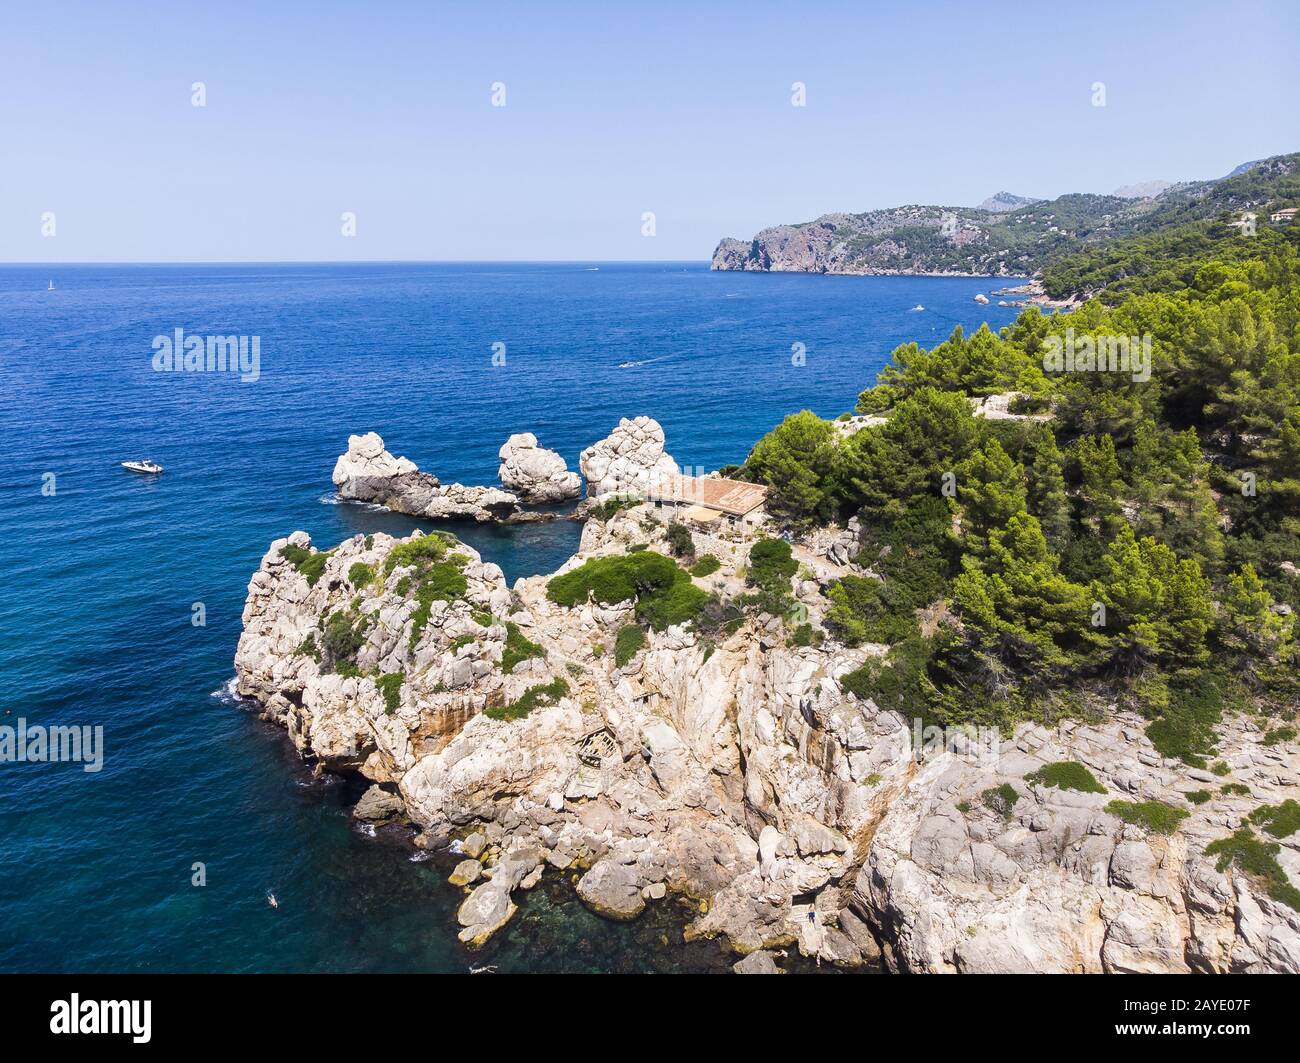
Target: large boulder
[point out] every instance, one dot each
(366, 458)
(534, 473)
(369, 473)
(627, 461)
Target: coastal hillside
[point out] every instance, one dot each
(1006, 235)
(1002, 678)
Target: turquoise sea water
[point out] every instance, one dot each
(102, 573)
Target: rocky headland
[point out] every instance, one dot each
(730, 767)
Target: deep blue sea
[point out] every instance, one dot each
(102, 568)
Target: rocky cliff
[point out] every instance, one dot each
(736, 771)
(1005, 235)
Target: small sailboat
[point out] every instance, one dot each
(147, 467)
(51, 287)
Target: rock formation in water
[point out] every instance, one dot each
(369, 473)
(735, 770)
(629, 460)
(536, 474)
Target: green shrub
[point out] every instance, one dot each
(518, 648)
(1001, 799)
(1066, 775)
(1198, 797)
(605, 510)
(1186, 729)
(417, 552)
(1279, 734)
(310, 563)
(1257, 859)
(459, 641)
(308, 647)
(807, 635)
(534, 697)
(360, 575)
(1281, 821)
(636, 548)
(680, 604)
(1155, 816)
(705, 566)
(613, 579)
(390, 686)
(1236, 789)
(771, 565)
(663, 592)
(1220, 768)
(482, 618)
(628, 643)
(680, 541)
(342, 637)
(442, 581)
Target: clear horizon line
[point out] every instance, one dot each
(343, 261)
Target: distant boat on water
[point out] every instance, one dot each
(147, 467)
(51, 287)
(918, 306)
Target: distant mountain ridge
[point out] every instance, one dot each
(1001, 202)
(980, 241)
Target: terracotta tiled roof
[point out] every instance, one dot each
(734, 497)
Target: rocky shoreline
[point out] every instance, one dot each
(735, 770)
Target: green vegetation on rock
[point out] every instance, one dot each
(627, 644)
(1155, 816)
(1066, 775)
(1257, 860)
(390, 686)
(518, 648)
(310, 563)
(533, 698)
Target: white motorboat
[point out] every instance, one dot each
(147, 467)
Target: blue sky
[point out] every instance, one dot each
(683, 109)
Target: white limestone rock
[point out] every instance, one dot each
(366, 458)
(534, 473)
(627, 461)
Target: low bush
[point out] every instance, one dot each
(1257, 859)
(605, 510)
(628, 644)
(390, 686)
(518, 648)
(1155, 816)
(680, 541)
(1198, 797)
(663, 592)
(1185, 728)
(1001, 799)
(1281, 821)
(534, 697)
(771, 565)
(310, 563)
(705, 566)
(360, 575)
(1066, 775)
